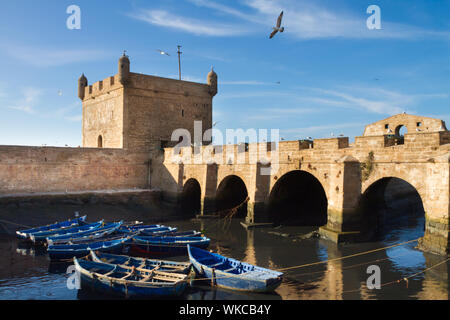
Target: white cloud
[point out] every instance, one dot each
(76, 118)
(198, 27)
(321, 128)
(372, 99)
(50, 57)
(228, 10)
(309, 20)
(248, 83)
(277, 113)
(27, 101)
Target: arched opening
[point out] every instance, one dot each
(100, 141)
(298, 198)
(400, 132)
(392, 207)
(190, 203)
(231, 193)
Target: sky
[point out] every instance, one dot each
(326, 74)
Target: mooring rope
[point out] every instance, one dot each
(350, 266)
(406, 279)
(346, 257)
(14, 223)
(329, 260)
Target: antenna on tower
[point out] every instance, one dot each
(179, 61)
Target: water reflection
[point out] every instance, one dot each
(26, 273)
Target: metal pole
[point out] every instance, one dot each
(179, 61)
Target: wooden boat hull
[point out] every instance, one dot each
(67, 252)
(146, 228)
(163, 245)
(239, 282)
(25, 234)
(162, 265)
(89, 235)
(41, 237)
(128, 289)
(191, 233)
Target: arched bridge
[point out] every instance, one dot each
(326, 182)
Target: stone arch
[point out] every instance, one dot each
(391, 203)
(230, 193)
(100, 141)
(417, 183)
(401, 130)
(298, 198)
(190, 202)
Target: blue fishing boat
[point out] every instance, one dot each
(233, 274)
(25, 234)
(83, 236)
(146, 228)
(142, 263)
(190, 233)
(129, 282)
(166, 245)
(41, 237)
(68, 251)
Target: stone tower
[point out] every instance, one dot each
(140, 112)
(82, 84)
(124, 69)
(212, 82)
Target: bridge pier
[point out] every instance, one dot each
(437, 207)
(343, 223)
(208, 199)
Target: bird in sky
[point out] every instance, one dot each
(278, 27)
(163, 52)
(215, 123)
(278, 82)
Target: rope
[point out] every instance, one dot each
(17, 224)
(346, 257)
(405, 278)
(330, 260)
(351, 266)
(228, 214)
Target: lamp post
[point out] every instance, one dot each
(179, 61)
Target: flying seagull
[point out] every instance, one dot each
(163, 52)
(278, 27)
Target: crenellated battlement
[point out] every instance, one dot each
(102, 87)
(139, 111)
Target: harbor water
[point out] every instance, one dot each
(26, 272)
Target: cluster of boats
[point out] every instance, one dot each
(113, 257)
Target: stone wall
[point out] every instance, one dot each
(50, 169)
(156, 106)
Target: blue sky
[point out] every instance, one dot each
(334, 74)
